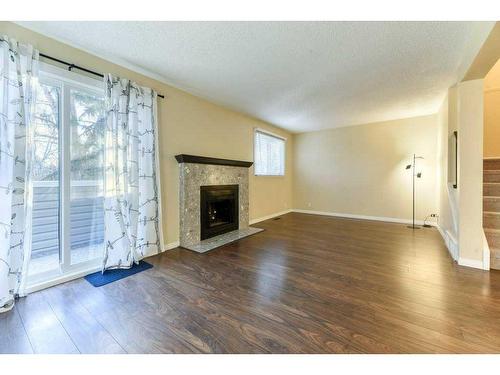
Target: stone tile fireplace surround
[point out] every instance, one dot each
(198, 171)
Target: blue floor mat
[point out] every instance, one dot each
(100, 279)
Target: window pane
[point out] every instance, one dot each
(87, 175)
(269, 155)
(45, 239)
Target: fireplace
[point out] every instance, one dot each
(213, 202)
(218, 210)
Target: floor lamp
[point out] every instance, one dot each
(416, 174)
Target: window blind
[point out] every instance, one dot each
(269, 154)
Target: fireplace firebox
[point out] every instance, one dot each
(219, 210)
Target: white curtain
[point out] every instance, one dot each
(132, 218)
(18, 70)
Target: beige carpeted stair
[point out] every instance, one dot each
(491, 208)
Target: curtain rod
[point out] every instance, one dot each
(73, 66)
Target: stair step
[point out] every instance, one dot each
(491, 164)
(491, 175)
(491, 204)
(493, 237)
(491, 189)
(495, 258)
(491, 220)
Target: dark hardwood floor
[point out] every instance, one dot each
(308, 284)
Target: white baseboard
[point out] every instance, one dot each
(253, 221)
(471, 263)
(171, 245)
(450, 242)
(486, 253)
(452, 245)
(361, 217)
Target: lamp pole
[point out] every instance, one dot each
(413, 224)
(413, 167)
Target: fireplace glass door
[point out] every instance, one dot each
(219, 210)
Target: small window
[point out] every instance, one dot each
(269, 154)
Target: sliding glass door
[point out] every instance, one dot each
(68, 227)
(86, 176)
(46, 180)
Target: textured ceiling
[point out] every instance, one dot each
(301, 76)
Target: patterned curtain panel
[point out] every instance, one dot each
(132, 190)
(18, 69)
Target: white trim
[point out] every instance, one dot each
(259, 130)
(35, 287)
(361, 217)
(61, 279)
(450, 242)
(486, 253)
(65, 176)
(175, 244)
(73, 183)
(66, 271)
(51, 72)
(269, 133)
(267, 217)
(157, 166)
(473, 263)
(170, 246)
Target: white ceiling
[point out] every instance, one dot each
(301, 76)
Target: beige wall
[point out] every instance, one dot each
(491, 141)
(487, 56)
(189, 125)
(461, 209)
(470, 172)
(447, 194)
(355, 170)
(361, 169)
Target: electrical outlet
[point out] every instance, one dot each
(308, 204)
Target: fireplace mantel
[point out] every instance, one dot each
(183, 158)
(198, 173)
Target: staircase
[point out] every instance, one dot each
(491, 208)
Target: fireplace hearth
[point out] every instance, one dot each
(218, 210)
(213, 202)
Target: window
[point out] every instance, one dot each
(68, 175)
(269, 154)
